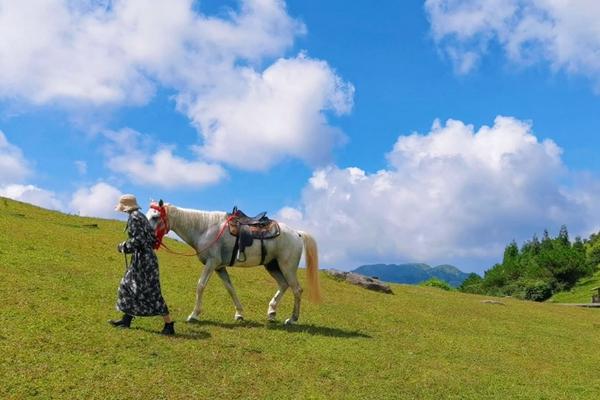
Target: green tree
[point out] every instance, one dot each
(472, 284)
(539, 268)
(563, 236)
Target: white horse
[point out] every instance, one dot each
(207, 233)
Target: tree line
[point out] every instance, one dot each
(539, 268)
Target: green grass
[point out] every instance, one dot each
(58, 281)
(580, 293)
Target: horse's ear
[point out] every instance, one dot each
(161, 203)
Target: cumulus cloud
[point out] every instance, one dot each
(14, 169)
(13, 166)
(132, 154)
(98, 200)
(455, 194)
(563, 33)
(265, 116)
(229, 72)
(33, 195)
(113, 52)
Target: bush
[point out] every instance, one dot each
(473, 284)
(538, 291)
(437, 283)
(533, 289)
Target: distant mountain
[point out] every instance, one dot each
(413, 273)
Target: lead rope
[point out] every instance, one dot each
(125, 254)
(206, 247)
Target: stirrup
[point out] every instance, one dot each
(240, 255)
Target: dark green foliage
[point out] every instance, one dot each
(536, 290)
(437, 283)
(472, 284)
(592, 250)
(539, 269)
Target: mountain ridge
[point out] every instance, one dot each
(413, 273)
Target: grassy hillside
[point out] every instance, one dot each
(58, 281)
(580, 293)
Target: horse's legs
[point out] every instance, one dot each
(206, 273)
(289, 272)
(273, 269)
(239, 310)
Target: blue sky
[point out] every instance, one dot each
(361, 124)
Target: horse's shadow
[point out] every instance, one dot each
(316, 330)
(310, 329)
(227, 325)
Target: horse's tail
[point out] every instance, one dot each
(312, 267)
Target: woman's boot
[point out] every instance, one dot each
(124, 322)
(169, 328)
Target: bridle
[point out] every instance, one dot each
(162, 227)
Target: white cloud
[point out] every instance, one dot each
(13, 166)
(109, 53)
(566, 34)
(33, 195)
(132, 155)
(451, 195)
(290, 214)
(114, 52)
(14, 169)
(96, 201)
(260, 118)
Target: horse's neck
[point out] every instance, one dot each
(190, 225)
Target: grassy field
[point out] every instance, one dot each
(58, 281)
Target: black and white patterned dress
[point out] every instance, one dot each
(139, 292)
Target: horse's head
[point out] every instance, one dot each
(159, 220)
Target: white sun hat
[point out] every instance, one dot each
(127, 203)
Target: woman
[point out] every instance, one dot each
(139, 292)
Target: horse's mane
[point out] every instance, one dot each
(189, 219)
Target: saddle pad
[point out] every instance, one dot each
(269, 230)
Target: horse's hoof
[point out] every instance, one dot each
(239, 318)
(193, 320)
(271, 317)
(289, 321)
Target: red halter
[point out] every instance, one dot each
(162, 228)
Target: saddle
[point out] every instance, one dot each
(246, 229)
(246, 220)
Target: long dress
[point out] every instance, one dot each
(139, 292)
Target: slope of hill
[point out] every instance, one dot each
(580, 293)
(413, 273)
(58, 281)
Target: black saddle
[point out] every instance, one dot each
(243, 219)
(246, 229)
